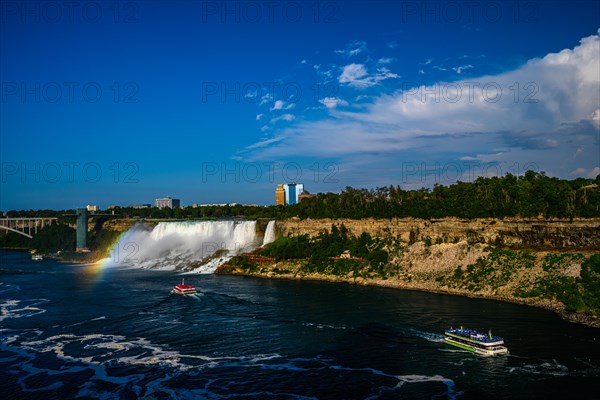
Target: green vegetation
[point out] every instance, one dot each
(530, 195)
(51, 238)
(366, 256)
(492, 271)
(61, 237)
(552, 262)
(578, 294)
(243, 263)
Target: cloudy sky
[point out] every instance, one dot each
(218, 101)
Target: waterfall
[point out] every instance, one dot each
(192, 246)
(269, 234)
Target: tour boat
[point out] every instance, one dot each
(184, 289)
(476, 342)
(37, 257)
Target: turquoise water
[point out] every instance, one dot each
(73, 331)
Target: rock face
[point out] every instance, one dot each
(123, 225)
(511, 232)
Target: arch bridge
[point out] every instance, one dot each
(25, 226)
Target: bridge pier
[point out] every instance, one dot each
(82, 228)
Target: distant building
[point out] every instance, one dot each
(195, 205)
(304, 195)
(92, 208)
(280, 195)
(111, 207)
(292, 190)
(141, 206)
(167, 202)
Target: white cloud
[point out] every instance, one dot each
(386, 60)
(595, 117)
(263, 143)
(333, 102)
(539, 114)
(281, 105)
(584, 172)
(356, 75)
(251, 95)
(303, 62)
(353, 49)
(278, 105)
(462, 68)
(266, 98)
(421, 72)
(392, 45)
(384, 73)
(259, 116)
(352, 73)
(284, 117)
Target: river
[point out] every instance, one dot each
(114, 332)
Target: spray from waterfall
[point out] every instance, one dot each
(193, 246)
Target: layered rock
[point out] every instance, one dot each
(512, 232)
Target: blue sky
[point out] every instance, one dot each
(218, 101)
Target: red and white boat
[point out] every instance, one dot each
(184, 289)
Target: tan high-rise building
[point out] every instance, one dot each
(280, 195)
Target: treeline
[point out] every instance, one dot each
(530, 195)
(333, 252)
(49, 239)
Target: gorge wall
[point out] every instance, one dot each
(511, 232)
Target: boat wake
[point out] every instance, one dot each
(552, 368)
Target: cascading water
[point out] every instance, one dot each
(269, 234)
(193, 246)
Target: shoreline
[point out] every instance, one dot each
(549, 305)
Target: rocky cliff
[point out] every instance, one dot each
(535, 262)
(510, 232)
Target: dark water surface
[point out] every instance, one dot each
(80, 331)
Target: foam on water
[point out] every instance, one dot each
(8, 288)
(160, 369)
(21, 309)
(552, 368)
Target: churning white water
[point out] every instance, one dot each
(192, 246)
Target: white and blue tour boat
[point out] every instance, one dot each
(476, 342)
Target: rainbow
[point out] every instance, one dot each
(95, 272)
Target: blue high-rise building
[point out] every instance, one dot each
(291, 194)
(292, 191)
